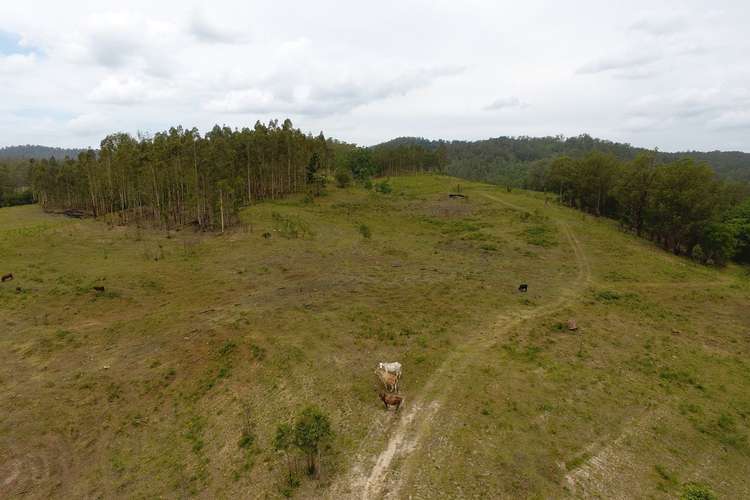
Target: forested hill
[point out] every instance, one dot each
(508, 159)
(36, 152)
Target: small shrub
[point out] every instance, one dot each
(282, 442)
(607, 296)
(698, 254)
(227, 349)
(343, 178)
(695, 491)
(194, 433)
(114, 392)
(367, 184)
(246, 439)
(364, 230)
(383, 187)
(290, 227)
(257, 352)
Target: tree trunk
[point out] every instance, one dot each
(221, 208)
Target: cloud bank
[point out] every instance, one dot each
(365, 73)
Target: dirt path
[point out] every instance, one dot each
(376, 479)
(611, 464)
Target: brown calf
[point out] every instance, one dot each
(391, 400)
(7, 277)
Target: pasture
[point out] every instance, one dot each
(172, 380)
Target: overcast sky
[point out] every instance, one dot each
(673, 75)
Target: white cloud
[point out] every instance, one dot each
(617, 62)
(737, 119)
(505, 103)
(128, 90)
(89, 124)
(13, 64)
(243, 101)
(203, 28)
(635, 72)
(317, 95)
(657, 25)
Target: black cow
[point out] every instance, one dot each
(523, 288)
(7, 277)
(99, 289)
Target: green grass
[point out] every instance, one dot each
(172, 382)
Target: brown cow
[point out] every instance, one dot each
(391, 400)
(99, 289)
(7, 277)
(389, 380)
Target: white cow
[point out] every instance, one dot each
(394, 367)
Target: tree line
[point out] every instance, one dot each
(507, 160)
(180, 177)
(682, 205)
(14, 188)
(37, 152)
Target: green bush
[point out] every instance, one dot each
(695, 491)
(383, 187)
(364, 230)
(698, 254)
(291, 227)
(343, 178)
(16, 198)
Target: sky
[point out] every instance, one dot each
(672, 75)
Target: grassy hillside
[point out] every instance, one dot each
(148, 388)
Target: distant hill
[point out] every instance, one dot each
(37, 152)
(508, 158)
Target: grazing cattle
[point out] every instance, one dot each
(7, 277)
(523, 288)
(391, 400)
(389, 380)
(266, 235)
(394, 367)
(99, 288)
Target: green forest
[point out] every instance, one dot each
(508, 160)
(180, 177)
(694, 204)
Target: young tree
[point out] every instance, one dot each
(360, 164)
(633, 190)
(739, 219)
(282, 442)
(311, 430)
(718, 243)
